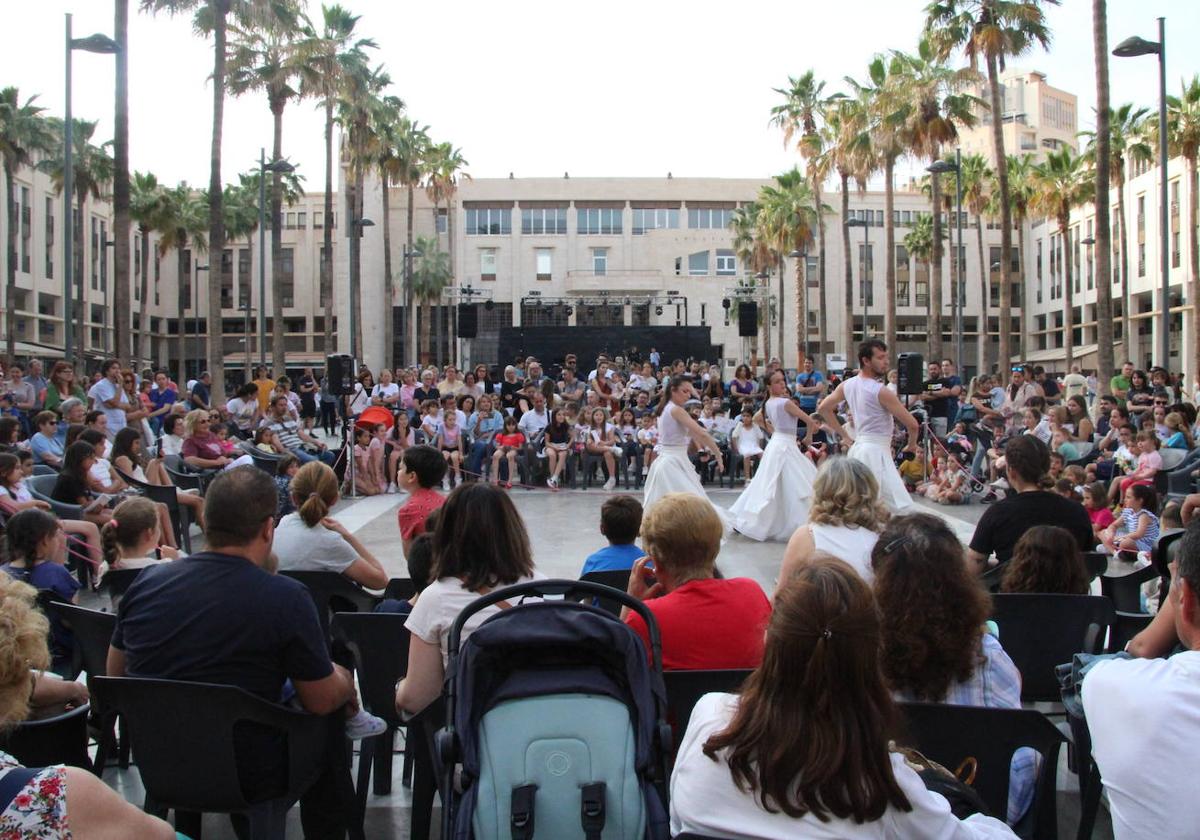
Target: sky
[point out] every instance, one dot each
(536, 88)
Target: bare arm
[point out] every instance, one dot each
(320, 697)
(1159, 636)
(827, 412)
(804, 417)
(698, 433)
(799, 548)
(366, 570)
(423, 684)
(115, 663)
(97, 812)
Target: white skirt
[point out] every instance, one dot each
(777, 500)
(672, 472)
(876, 452)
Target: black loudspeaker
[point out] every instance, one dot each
(339, 373)
(747, 319)
(910, 370)
(468, 320)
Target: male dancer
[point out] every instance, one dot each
(873, 406)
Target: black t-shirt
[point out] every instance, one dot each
(1006, 521)
(1050, 387)
(69, 490)
(420, 394)
(308, 399)
(939, 407)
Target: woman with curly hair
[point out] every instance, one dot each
(936, 644)
(1046, 559)
(845, 519)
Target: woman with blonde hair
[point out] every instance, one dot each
(310, 540)
(202, 448)
(845, 520)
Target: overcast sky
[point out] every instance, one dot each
(540, 88)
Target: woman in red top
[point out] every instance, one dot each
(508, 443)
(609, 394)
(202, 449)
(706, 623)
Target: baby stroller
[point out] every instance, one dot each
(556, 720)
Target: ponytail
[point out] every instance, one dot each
(675, 383)
(130, 521)
(315, 491)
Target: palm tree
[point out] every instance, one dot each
(121, 198)
(23, 132)
(788, 216)
(92, 171)
(431, 274)
(1183, 138)
(269, 58)
(1102, 145)
(933, 108)
(412, 149)
(444, 167)
(752, 244)
(146, 208)
(976, 176)
(1020, 197)
(1063, 181)
(334, 54)
(1126, 143)
(182, 222)
(992, 30)
(240, 207)
(385, 124)
(919, 242)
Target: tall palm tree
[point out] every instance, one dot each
(992, 31)
(269, 58)
(935, 106)
(1183, 138)
(91, 173)
(146, 202)
(1102, 146)
(23, 132)
(752, 245)
(1020, 198)
(919, 243)
(183, 223)
(334, 54)
(788, 215)
(1126, 143)
(1062, 182)
(412, 150)
(240, 207)
(976, 176)
(386, 116)
(431, 274)
(443, 169)
(121, 197)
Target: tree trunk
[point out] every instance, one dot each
(801, 311)
(389, 283)
(889, 255)
(356, 294)
(181, 271)
(1104, 318)
(327, 233)
(985, 273)
(121, 224)
(10, 262)
(407, 266)
(847, 267)
(216, 227)
(1069, 297)
(425, 318)
(1005, 219)
(1194, 266)
(81, 313)
(1129, 335)
(143, 322)
(935, 281)
(821, 322)
(278, 348)
(1026, 341)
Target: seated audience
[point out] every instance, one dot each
(1143, 763)
(844, 520)
(202, 449)
(290, 436)
(620, 521)
(46, 445)
(247, 627)
(705, 622)
(129, 456)
(73, 486)
(480, 545)
(171, 442)
(420, 561)
(421, 470)
(310, 540)
(36, 543)
(937, 647)
(1149, 462)
(1046, 559)
(132, 534)
(803, 751)
(1137, 528)
(285, 471)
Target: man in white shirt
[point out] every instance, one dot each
(1144, 717)
(108, 396)
(1075, 384)
(532, 424)
(449, 403)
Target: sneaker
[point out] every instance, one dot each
(611, 483)
(391, 488)
(364, 725)
(552, 483)
(446, 484)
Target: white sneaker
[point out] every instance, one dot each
(611, 483)
(364, 725)
(552, 482)
(392, 488)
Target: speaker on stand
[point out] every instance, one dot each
(339, 373)
(910, 381)
(747, 319)
(468, 328)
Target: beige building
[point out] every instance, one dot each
(1037, 118)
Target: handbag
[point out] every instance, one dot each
(955, 788)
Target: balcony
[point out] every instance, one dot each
(616, 281)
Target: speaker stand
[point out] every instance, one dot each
(348, 451)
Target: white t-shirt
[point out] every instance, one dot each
(531, 423)
(439, 605)
(172, 445)
(1144, 716)
(705, 800)
(105, 390)
(389, 390)
(242, 411)
(304, 549)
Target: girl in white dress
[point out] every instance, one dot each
(776, 502)
(672, 471)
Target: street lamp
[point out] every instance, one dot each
(862, 270)
(1131, 48)
(939, 167)
(280, 166)
(96, 43)
(356, 228)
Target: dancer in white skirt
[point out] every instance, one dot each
(776, 501)
(672, 471)
(873, 407)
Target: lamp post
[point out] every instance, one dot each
(862, 269)
(96, 43)
(1131, 48)
(356, 226)
(195, 309)
(280, 166)
(939, 167)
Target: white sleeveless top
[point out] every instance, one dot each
(670, 431)
(852, 545)
(870, 418)
(776, 411)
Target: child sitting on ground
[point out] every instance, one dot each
(620, 521)
(421, 470)
(365, 482)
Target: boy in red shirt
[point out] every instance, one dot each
(421, 469)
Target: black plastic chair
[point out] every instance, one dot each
(181, 520)
(1126, 625)
(1039, 632)
(267, 463)
(183, 741)
(62, 739)
(1125, 591)
(1096, 563)
(185, 477)
(1164, 552)
(399, 589)
(617, 579)
(116, 581)
(41, 486)
(685, 688)
(949, 734)
(379, 642)
(334, 592)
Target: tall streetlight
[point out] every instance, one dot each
(280, 166)
(939, 167)
(96, 43)
(1131, 48)
(862, 269)
(356, 227)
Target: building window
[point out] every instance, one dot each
(325, 287)
(544, 263)
(487, 264)
(544, 221)
(708, 218)
(318, 220)
(104, 243)
(49, 238)
(442, 221)
(26, 228)
(245, 263)
(287, 268)
(289, 221)
(902, 275)
(302, 220)
(704, 314)
(489, 221)
(600, 261)
(698, 263)
(1141, 259)
(599, 220)
(654, 218)
(866, 274)
(726, 262)
(1141, 214)
(95, 253)
(227, 278)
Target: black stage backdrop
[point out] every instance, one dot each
(550, 345)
